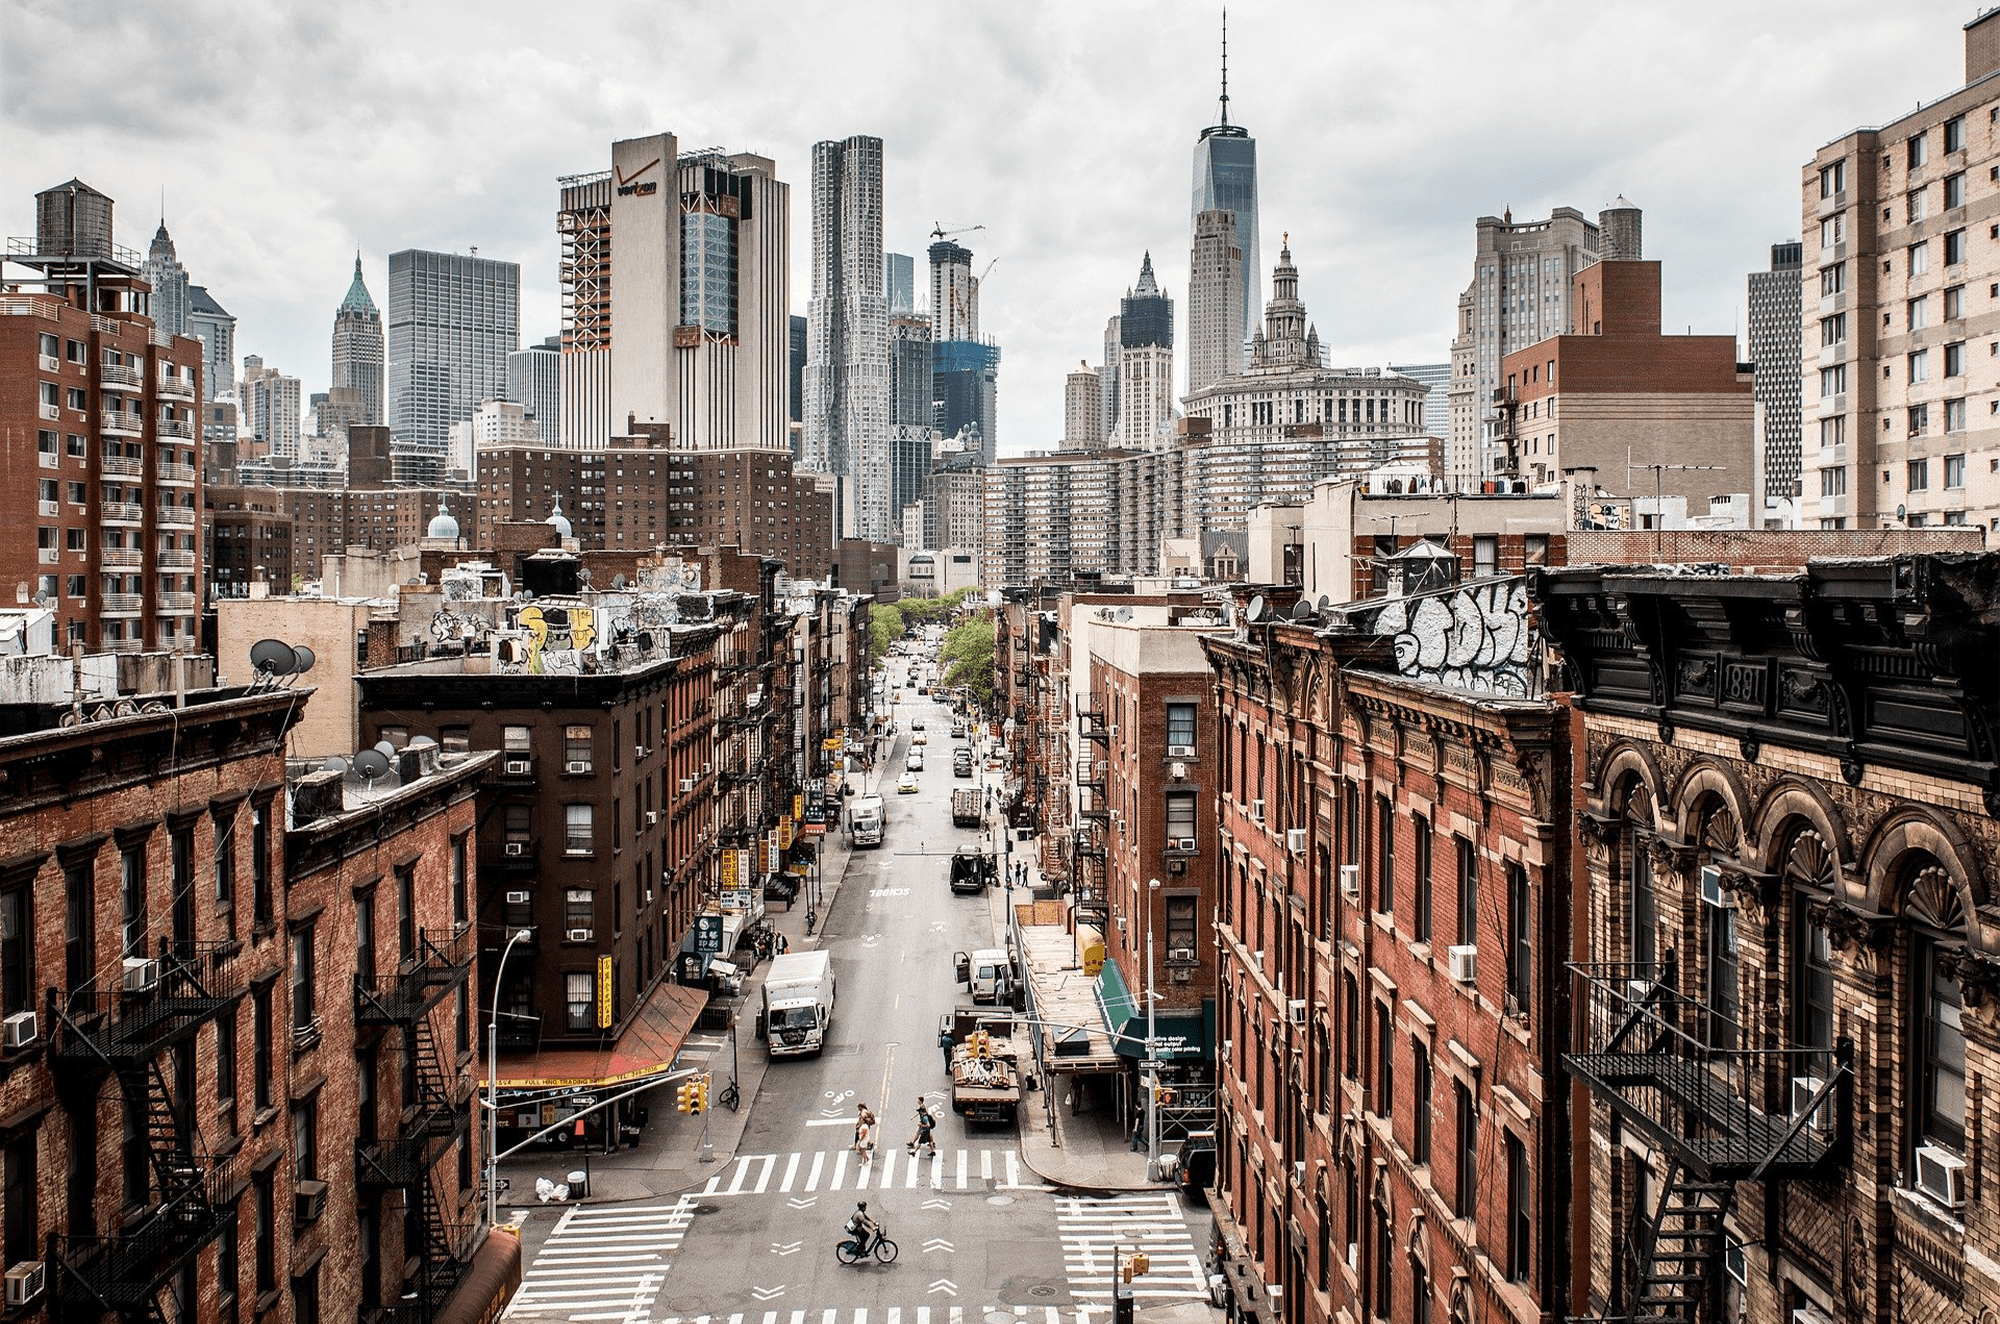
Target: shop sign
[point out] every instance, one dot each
(605, 992)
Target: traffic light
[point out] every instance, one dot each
(684, 1097)
(700, 1084)
(1136, 1263)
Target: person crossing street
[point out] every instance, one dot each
(926, 1130)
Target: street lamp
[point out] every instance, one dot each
(493, 1084)
(1152, 1048)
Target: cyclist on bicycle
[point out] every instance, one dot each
(864, 1228)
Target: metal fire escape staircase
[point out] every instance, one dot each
(158, 1005)
(1090, 843)
(434, 1120)
(1714, 1110)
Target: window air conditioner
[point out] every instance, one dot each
(1296, 1011)
(1180, 953)
(1178, 772)
(1183, 843)
(1941, 1175)
(25, 1281)
(308, 1201)
(1350, 879)
(1803, 1090)
(520, 898)
(1295, 840)
(1711, 886)
(652, 817)
(141, 973)
(640, 751)
(687, 784)
(1465, 964)
(22, 1029)
(516, 848)
(707, 768)
(519, 767)
(1180, 751)
(578, 935)
(1257, 811)
(577, 765)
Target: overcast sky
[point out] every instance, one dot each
(288, 134)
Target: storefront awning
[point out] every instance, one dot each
(647, 1048)
(1183, 1033)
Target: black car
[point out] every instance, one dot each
(1194, 1166)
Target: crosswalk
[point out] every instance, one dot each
(804, 1172)
(904, 1315)
(1095, 1231)
(603, 1263)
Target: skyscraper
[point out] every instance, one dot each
(1775, 341)
(357, 350)
(954, 292)
(1215, 300)
(911, 434)
(899, 283)
(216, 329)
(583, 371)
(847, 337)
(1145, 363)
(534, 381)
(1083, 410)
(965, 367)
(269, 401)
(453, 320)
(798, 368)
(1436, 378)
(169, 279)
(1225, 179)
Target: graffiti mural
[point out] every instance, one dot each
(448, 625)
(558, 637)
(1473, 638)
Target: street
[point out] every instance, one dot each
(980, 1236)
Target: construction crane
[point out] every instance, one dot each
(989, 271)
(939, 232)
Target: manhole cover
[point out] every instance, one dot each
(999, 1199)
(1041, 1291)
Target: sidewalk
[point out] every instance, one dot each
(668, 1158)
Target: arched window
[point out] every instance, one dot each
(1937, 915)
(1809, 873)
(1721, 959)
(1642, 914)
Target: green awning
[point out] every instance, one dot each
(1184, 1033)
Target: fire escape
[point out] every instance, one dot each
(434, 1118)
(1717, 1109)
(158, 1007)
(1090, 845)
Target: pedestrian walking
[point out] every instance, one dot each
(944, 1045)
(926, 1128)
(864, 1131)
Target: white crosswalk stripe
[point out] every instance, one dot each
(1036, 1314)
(603, 1262)
(1093, 1232)
(887, 1169)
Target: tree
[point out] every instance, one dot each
(885, 627)
(968, 653)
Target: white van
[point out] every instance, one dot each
(989, 972)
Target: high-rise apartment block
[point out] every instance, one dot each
(965, 366)
(169, 279)
(1145, 364)
(910, 408)
(534, 381)
(1215, 299)
(954, 292)
(1774, 340)
(1083, 410)
(797, 369)
(213, 325)
(357, 351)
(847, 337)
(268, 403)
(1522, 276)
(1436, 378)
(453, 320)
(1900, 270)
(103, 525)
(1225, 179)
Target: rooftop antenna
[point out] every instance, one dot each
(1659, 490)
(1225, 64)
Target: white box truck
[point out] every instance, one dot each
(864, 820)
(798, 1003)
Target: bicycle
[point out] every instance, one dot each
(850, 1251)
(732, 1097)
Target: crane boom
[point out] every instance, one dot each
(939, 232)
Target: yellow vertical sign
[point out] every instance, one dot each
(729, 868)
(785, 833)
(605, 990)
(799, 805)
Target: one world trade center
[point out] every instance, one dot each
(1225, 179)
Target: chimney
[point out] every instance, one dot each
(316, 795)
(1982, 45)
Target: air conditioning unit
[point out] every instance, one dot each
(1941, 1175)
(1178, 772)
(578, 935)
(515, 848)
(308, 1201)
(22, 1029)
(1183, 843)
(1113, 729)
(1180, 751)
(652, 817)
(1803, 1090)
(640, 751)
(520, 898)
(1465, 964)
(577, 765)
(1180, 953)
(1257, 811)
(649, 896)
(1295, 840)
(141, 973)
(1711, 886)
(707, 768)
(687, 784)
(1295, 1011)
(25, 1281)
(1350, 879)
(519, 767)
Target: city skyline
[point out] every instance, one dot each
(1381, 186)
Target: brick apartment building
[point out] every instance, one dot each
(1616, 390)
(107, 499)
(248, 539)
(328, 520)
(1787, 790)
(180, 1090)
(1392, 918)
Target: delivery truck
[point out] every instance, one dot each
(798, 1003)
(864, 820)
(965, 807)
(985, 1067)
(972, 871)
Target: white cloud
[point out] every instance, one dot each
(288, 134)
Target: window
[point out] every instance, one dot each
(1832, 330)
(1420, 1292)
(1520, 1210)
(461, 883)
(1812, 958)
(1180, 817)
(1833, 230)
(1919, 471)
(1468, 892)
(260, 1049)
(580, 912)
(1954, 303)
(1833, 482)
(578, 833)
(1350, 1026)
(225, 1070)
(79, 929)
(1918, 311)
(1385, 1261)
(1420, 920)
(1919, 420)
(1954, 135)
(1723, 963)
(1832, 279)
(1385, 855)
(1954, 247)
(304, 1022)
(1832, 179)
(1465, 1197)
(1954, 465)
(1644, 915)
(18, 1162)
(1181, 927)
(17, 951)
(1918, 204)
(1833, 381)
(305, 1137)
(1941, 1050)
(1420, 1102)
(1954, 360)
(1920, 258)
(576, 999)
(225, 871)
(1954, 190)
(265, 1201)
(514, 739)
(305, 1297)
(1385, 1060)
(454, 740)
(1918, 149)
(132, 900)
(1920, 366)
(260, 863)
(1520, 939)
(576, 749)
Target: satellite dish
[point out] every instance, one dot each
(1325, 603)
(527, 595)
(273, 657)
(371, 763)
(1303, 609)
(1124, 613)
(41, 599)
(334, 764)
(618, 581)
(1255, 611)
(385, 749)
(303, 658)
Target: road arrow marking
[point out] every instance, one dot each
(766, 1293)
(806, 1203)
(786, 1247)
(946, 1286)
(936, 1203)
(939, 1243)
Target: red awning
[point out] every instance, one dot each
(647, 1047)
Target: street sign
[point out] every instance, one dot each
(735, 898)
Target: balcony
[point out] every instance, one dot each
(118, 466)
(122, 645)
(121, 512)
(440, 964)
(169, 558)
(175, 602)
(176, 387)
(174, 473)
(179, 515)
(129, 557)
(122, 375)
(122, 421)
(150, 1006)
(124, 604)
(1673, 1070)
(176, 427)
